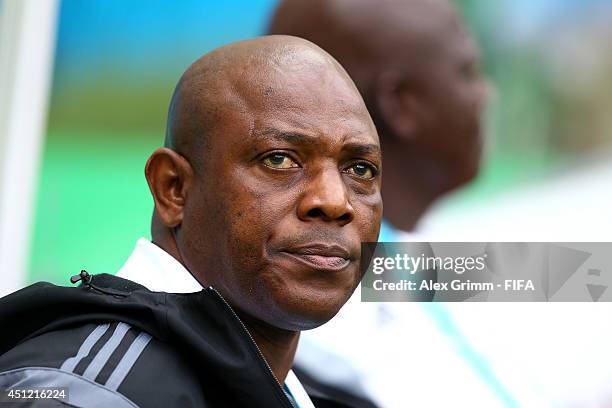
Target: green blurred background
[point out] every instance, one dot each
(117, 63)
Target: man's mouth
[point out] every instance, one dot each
(321, 256)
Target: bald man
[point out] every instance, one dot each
(268, 182)
(417, 69)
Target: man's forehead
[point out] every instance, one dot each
(314, 112)
(317, 101)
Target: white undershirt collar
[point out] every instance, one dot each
(157, 270)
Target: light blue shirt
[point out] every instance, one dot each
(387, 232)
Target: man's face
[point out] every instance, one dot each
(289, 188)
(456, 92)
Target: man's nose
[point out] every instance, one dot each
(326, 198)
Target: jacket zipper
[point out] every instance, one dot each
(278, 384)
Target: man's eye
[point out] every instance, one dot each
(362, 170)
(279, 161)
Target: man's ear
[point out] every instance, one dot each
(399, 105)
(169, 176)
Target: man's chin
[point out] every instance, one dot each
(303, 322)
(309, 312)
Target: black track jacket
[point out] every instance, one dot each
(113, 343)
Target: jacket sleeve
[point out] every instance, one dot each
(101, 365)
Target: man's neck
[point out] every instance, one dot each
(277, 345)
